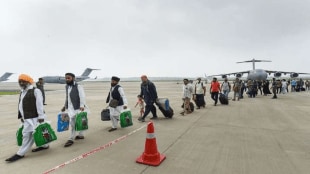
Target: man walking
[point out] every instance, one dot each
(214, 90)
(40, 85)
(30, 111)
(117, 102)
(187, 94)
(199, 94)
(75, 103)
(149, 94)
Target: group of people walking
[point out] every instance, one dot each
(32, 100)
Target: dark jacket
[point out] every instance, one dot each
(148, 92)
(29, 105)
(116, 95)
(74, 96)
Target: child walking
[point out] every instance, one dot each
(140, 103)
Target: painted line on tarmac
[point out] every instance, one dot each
(93, 151)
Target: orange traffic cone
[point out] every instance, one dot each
(150, 156)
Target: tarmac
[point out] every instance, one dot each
(251, 136)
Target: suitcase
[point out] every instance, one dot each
(105, 115)
(62, 122)
(126, 118)
(191, 106)
(164, 107)
(43, 134)
(223, 99)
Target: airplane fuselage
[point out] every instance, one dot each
(257, 74)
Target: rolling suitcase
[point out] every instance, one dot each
(164, 107)
(223, 99)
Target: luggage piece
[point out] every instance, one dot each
(63, 122)
(105, 115)
(44, 134)
(164, 107)
(223, 99)
(19, 135)
(167, 113)
(191, 106)
(126, 118)
(81, 122)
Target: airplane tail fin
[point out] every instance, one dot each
(5, 76)
(253, 62)
(88, 71)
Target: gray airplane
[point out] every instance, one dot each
(5, 76)
(62, 80)
(259, 74)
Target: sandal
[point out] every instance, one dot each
(79, 137)
(68, 143)
(39, 149)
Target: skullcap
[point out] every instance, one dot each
(115, 78)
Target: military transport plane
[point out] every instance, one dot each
(5, 76)
(259, 74)
(62, 80)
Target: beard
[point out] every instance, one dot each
(113, 84)
(23, 86)
(70, 83)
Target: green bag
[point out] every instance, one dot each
(81, 121)
(126, 118)
(44, 134)
(19, 135)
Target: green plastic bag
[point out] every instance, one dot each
(126, 118)
(44, 134)
(19, 135)
(81, 121)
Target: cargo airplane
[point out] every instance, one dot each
(5, 76)
(62, 80)
(258, 74)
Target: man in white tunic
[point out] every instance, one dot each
(30, 111)
(75, 103)
(117, 94)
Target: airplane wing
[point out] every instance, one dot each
(237, 74)
(279, 73)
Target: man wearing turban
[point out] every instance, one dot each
(116, 93)
(30, 111)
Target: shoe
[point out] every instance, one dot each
(154, 118)
(40, 148)
(79, 137)
(141, 119)
(233, 99)
(14, 158)
(198, 108)
(44, 104)
(68, 143)
(112, 129)
(182, 113)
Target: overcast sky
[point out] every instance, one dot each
(127, 38)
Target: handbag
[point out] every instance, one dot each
(81, 121)
(63, 122)
(19, 135)
(105, 115)
(43, 134)
(113, 103)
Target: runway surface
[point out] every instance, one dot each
(251, 136)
